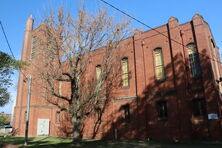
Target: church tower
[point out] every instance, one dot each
(42, 115)
(22, 92)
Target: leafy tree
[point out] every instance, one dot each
(7, 65)
(3, 120)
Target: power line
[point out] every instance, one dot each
(139, 21)
(10, 46)
(132, 17)
(7, 40)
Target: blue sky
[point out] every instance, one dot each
(14, 13)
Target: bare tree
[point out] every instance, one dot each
(67, 51)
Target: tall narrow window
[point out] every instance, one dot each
(194, 60)
(162, 109)
(34, 46)
(25, 116)
(214, 56)
(99, 114)
(199, 107)
(60, 88)
(98, 71)
(125, 72)
(212, 42)
(126, 112)
(58, 116)
(159, 67)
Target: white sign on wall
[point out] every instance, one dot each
(212, 116)
(43, 127)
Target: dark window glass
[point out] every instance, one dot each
(162, 109)
(199, 107)
(25, 116)
(99, 114)
(126, 113)
(212, 42)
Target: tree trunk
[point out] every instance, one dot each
(76, 129)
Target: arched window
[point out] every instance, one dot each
(98, 71)
(33, 47)
(194, 60)
(60, 88)
(159, 67)
(125, 72)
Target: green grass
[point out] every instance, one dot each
(55, 142)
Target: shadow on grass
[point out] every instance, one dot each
(56, 142)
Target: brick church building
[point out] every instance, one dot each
(173, 92)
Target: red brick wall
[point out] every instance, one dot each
(178, 89)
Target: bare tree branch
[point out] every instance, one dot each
(70, 49)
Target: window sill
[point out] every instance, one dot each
(200, 117)
(163, 119)
(160, 81)
(196, 77)
(125, 87)
(125, 122)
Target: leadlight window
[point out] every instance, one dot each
(194, 60)
(34, 47)
(60, 88)
(125, 72)
(159, 67)
(98, 71)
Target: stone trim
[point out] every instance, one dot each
(125, 98)
(162, 94)
(35, 106)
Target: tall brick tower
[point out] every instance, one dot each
(42, 114)
(21, 100)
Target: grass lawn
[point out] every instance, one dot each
(55, 142)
